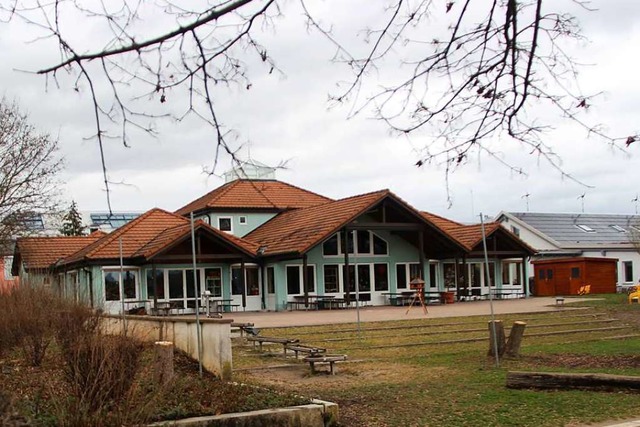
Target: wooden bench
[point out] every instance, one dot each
(301, 348)
(298, 303)
(272, 340)
(329, 359)
(244, 327)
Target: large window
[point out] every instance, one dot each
(627, 268)
(271, 280)
(176, 284)
(294, 279)
(112, 284)
(364, 278)
(213, 281)
(155, 281)
(512, 273)
(331, 279)
(406, 272)
(450, 275)
(381, 277)
(251, 280)
(433, 275)
(365, 243)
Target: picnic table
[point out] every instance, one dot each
(327, 359)
(405, 297)
(273, 340)
(301, 348)
(220, 305)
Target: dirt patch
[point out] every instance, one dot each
(348, 375)
(585, 361)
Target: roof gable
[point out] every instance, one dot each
(149, 234)
(255, 194)
(300, 230)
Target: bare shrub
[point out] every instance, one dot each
(99, 369)
(28, 321)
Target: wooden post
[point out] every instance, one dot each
(515, 339)
(305, 281)
(346, 276)
(163, 362)
(498, 337)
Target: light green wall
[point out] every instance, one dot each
(254, 220)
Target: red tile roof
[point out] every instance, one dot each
(299, 230)
(469, 236)
(43, 252)
(147, 235)
(255, 194)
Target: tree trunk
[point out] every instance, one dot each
(498, 337)
(548, 380)
(163, 363)
(515, 339)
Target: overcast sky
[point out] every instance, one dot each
(286, 117)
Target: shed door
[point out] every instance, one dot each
(576, 273)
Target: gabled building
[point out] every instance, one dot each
(263, 244)
(580, 235)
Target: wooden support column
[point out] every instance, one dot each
(465, 279)
(346, 274)
(525, 279)
(263, 286)
(155, 286)
(243, 284)
(421, 258)
(305, 281)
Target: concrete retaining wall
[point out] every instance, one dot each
(317, 414)
(216, 337)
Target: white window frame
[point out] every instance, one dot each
(355, 252)
(230, 218)
(300, 271)
(242, 220)
(618, 228)
(136, 272)
(407, 272)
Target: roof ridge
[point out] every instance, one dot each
(157, 236)
(119, 231)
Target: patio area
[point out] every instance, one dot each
(384, 313)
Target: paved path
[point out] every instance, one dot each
(382, 313)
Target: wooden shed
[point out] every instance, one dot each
(572, 276)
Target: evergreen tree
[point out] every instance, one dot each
(72, 222)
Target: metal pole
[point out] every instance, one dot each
(493, 320)
(121, 289)
(356, 279)
(197, 295)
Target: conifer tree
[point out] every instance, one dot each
(72, 222)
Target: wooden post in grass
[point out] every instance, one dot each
(496, 338)
(515, 339)
(163, 362)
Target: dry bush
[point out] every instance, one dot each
(99, 369)
(28, 321)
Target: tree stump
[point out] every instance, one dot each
(497, 338)
(163, 362)
(515, 339)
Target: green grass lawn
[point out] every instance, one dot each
(436, 372)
